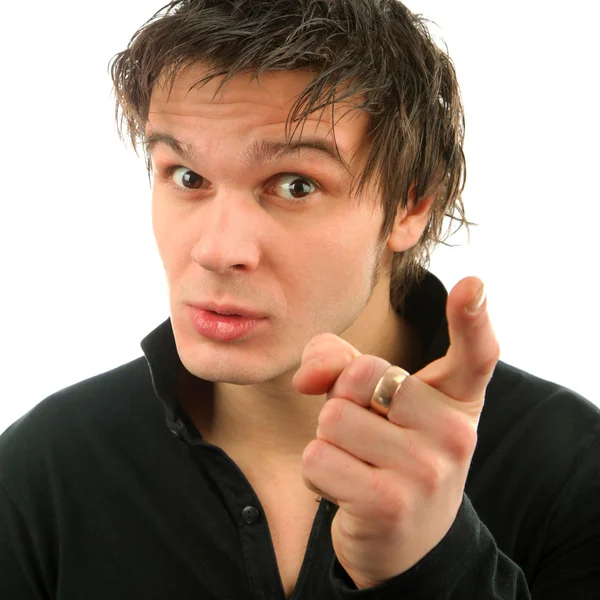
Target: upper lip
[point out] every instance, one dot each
(228, 309)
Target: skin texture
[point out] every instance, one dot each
(309, 267)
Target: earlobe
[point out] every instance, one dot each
(410, 222)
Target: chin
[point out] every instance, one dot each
(239, 374)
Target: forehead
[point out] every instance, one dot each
(261, 105)
(275, 87)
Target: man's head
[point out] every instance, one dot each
(239, 84)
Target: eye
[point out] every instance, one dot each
(186, 178)
(292, 186)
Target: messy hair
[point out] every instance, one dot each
(374, 52)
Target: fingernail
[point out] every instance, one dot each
(475, 305)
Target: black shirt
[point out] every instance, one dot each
(107, 491)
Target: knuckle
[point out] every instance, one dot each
(312, 455)
(456, 433)
(433, 473)
(386, 497)
(460, 439)
(359, 371)
(332, 413)
(487, 364)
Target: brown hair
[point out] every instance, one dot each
(376, 50)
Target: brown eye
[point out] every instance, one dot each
(189, 179)
(294, 187)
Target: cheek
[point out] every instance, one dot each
(333, 262)
(171, 246)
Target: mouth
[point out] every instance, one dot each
(228, 310)
(224, 327)
(227, 314)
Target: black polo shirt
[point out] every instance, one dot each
(107, 491)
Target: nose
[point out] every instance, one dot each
(227, 237)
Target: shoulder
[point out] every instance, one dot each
(532, 432)
(68, 423)
(526, 414)
(535, 438)
(517, 399)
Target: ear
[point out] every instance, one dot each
(410, 222)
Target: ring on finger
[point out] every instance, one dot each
(386, 389)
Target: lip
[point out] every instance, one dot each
(222, 328)
(228, 309)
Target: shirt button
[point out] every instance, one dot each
(250, 515)
(177, 427)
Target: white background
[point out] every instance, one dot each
(82, 281)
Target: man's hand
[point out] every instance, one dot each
(398, 481)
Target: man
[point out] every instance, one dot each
(317, 418)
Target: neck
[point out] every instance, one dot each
(273, 422)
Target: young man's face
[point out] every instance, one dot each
(276, 235)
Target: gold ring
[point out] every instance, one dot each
(386, 389)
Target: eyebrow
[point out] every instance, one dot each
(259, 152)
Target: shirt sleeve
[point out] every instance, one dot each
(465, 564)
(19, 577)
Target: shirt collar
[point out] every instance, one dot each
(424, 307)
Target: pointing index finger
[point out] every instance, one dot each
(465, 371)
